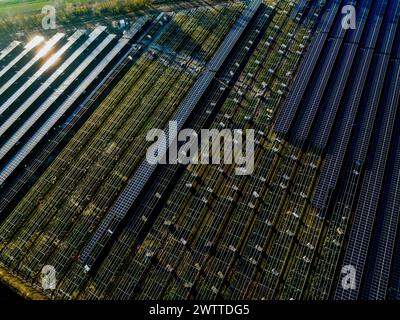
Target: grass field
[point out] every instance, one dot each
(10, 7)
(28, 6)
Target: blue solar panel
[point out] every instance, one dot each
(377, 12)
(396, 45)
(370, 102)
(337, 29)
(48, 46)
(39, 73)
(390, 23)
(292, 102)
(324, 122)
(391, 209)
(38, 92)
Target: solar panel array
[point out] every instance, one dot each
(202, 114)
(323, 103)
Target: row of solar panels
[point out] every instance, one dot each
(292, 103)
(44, 107)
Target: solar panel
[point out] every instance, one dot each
(383, 241)
(337, 30)
(5, 52)
(49, 44)
(389, 28)
(41, 71)
(136, 28)
(233, 36)
(147, 204)
(329, 16)
(378, 69)
(394, 287)
(35, 95)
(370, 37)
(383, 246)
(391, 209)
(145, 170)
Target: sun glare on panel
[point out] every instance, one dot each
(51, 60)
(49, 45)
(34, 42)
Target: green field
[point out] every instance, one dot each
(11, 7)
(16, 6)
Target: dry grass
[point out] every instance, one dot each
(19, 287)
